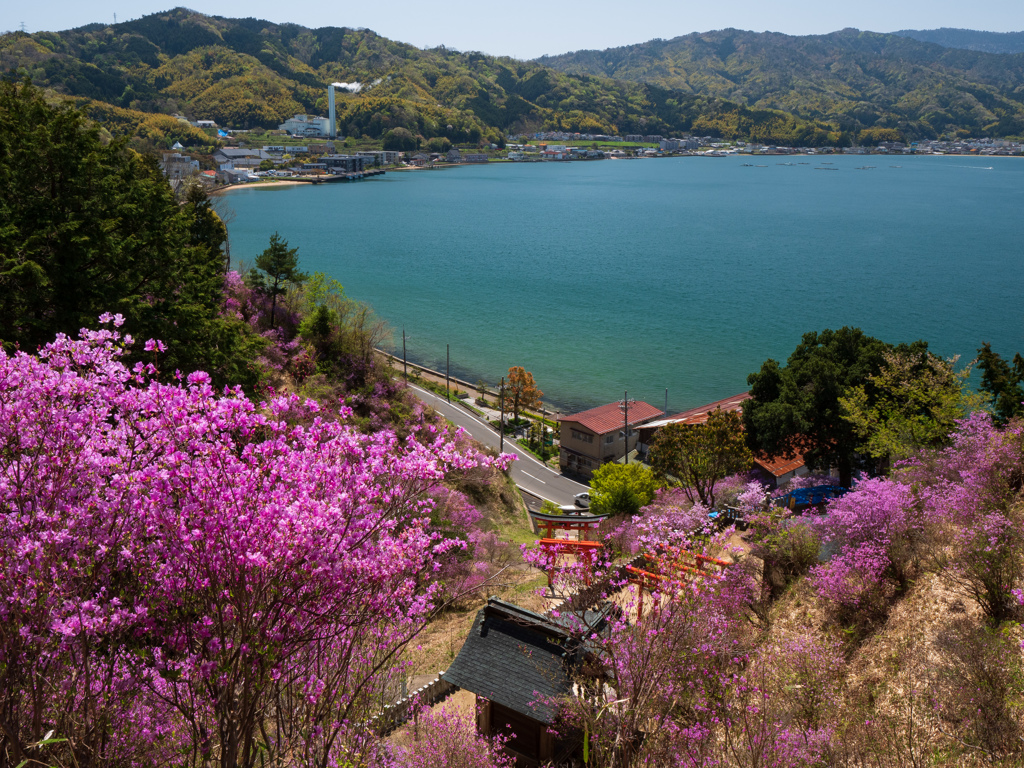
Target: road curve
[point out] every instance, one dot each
(529, 473)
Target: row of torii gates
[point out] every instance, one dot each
(664, 565)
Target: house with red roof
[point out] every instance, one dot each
(777, 470)
(595, 437)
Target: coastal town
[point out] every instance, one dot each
(306, 149)
(240, 163)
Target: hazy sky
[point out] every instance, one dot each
(527, 30)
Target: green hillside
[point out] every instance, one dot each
(853, 79)
(247, 73)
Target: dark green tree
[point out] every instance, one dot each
(281, 265)
(795, 408)
(89, 226)
(1005, 382)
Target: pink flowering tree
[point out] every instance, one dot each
(194, 574)
(972, 490)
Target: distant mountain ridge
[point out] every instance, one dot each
(969, 39)
(850, 78)
(848, 86)
(249, 72)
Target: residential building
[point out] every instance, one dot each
(775, 470)
(324, 148)
(380, 156)
(177, 166)
(233, 175)
(474, 158)
(595, 437)
(693, 416)
(235, 157)
(345, 163)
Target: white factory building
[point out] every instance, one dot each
(307, 125)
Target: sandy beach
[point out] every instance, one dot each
(249, 185)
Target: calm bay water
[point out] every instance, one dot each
(683, 274)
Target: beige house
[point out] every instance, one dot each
(600, 435)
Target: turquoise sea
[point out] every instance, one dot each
(645, 275)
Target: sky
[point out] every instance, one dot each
(525, 30)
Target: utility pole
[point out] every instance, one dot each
(405, 364)
(501, 426)
(543, 444)
(624, 407)
(447, 369)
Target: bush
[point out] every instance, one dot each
(621, 489)
(980, 687)
(789, 549)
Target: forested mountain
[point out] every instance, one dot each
(245, 73)
(969, 39)
(854, 79)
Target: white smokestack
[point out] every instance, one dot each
(331, 117)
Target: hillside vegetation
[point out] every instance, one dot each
(247, 73)
(854, 79)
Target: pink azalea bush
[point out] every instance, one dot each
(176, 563)
(446, 737)
(972, 490)
(877, 534)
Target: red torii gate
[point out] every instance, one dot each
(680, 559)
(581, 524)
(581, 549)
(649, 580)
(644, 580)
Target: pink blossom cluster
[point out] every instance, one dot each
(971, 491)
(188, 575)
(876, 533)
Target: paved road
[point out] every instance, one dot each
(529, 474)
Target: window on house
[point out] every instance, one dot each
(583, 436)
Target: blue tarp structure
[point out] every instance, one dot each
(223, 134)
(810, 497)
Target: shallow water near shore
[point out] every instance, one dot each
(685, 274)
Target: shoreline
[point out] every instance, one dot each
(249, 185)
(438, 377)
(502, 161)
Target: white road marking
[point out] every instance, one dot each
(510, 447)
